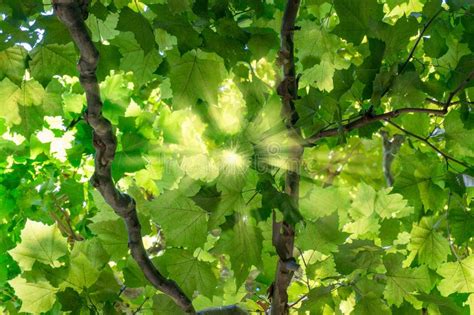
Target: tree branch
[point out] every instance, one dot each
(72, 13)
(365, 120)
(422, 33)
(368, 119)
(283, 235)
(444, 155)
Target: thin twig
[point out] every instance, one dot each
(305, 268)
(412, 51)
(461, 86)
(141, 305)
(444, 155)
(301, 298)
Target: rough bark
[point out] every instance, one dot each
(71, 13)
(283, 232)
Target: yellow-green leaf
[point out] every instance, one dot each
(39, 242)
(430, 246)
(458, 277)
(36, 297)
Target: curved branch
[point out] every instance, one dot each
(71, 14)
(366, 120)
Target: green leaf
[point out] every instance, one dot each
(103, 29)
(196, 75)
(391, 205)
(317, 300)
(364, 202)
(320, 202)
(370, 301)
(444, 305)
(460, 221)
(116, 96)
(36, 297)
(32, 120)
(458, 137)
(229, 202)
(113, 236)
(141, 65)
(319, 76)
(323, 234)
(356, 20)
(82, 273)
(429, 245)
(10, 94)
(458, 277)
(32, 93)
(127, 161)
(367, 72)
(313, 41)
(74, 103)
(396, 37)
(105, 213)
(179, 26)
(164, 305)
(13, 63)
(53, 59)
(435, 46)
(360, 254)
(133, 275)
(407, 90)
(387, 205)
(182, 221)
(22, 105)
(39, 242)
(363, 228)
(136, 23)
(243, 244)
(404, 282)
(93, 250)
(189, 273)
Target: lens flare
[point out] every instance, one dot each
(232, 158)
(233, 162)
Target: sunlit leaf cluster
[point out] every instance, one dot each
(190, 87)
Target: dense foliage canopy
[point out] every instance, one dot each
(317, 166)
